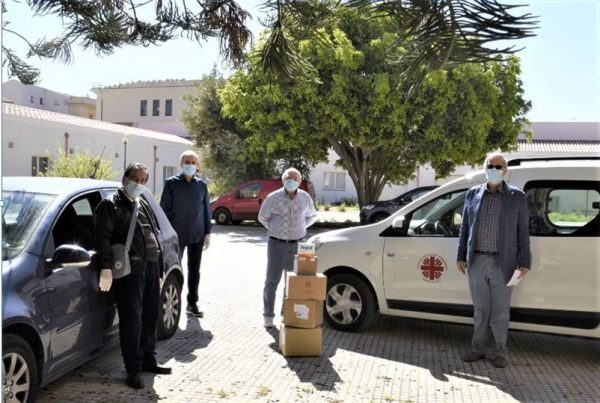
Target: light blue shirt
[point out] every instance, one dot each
(285, 217)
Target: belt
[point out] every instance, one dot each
(284, 240)
(481, 252)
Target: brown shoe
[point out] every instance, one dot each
(473, 356)
(499, 362)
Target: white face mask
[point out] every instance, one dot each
(189, 169)
(290, 185)
(493, 176)
(134, 189)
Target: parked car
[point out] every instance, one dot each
(380, 210)
(54, 317)
(243, 203)
(406, 264)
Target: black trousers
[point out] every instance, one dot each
(194, 254)
(138, 299)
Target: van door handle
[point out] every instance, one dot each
(391, 254)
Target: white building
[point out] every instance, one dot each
(30, 135)
(42, 98)
(152, 105)
(333, 184)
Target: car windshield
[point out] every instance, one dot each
(21, 213)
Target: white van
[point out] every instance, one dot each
(406, 264)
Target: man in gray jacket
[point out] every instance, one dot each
(493, 243)
(185, 202)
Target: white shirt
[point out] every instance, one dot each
(285, 217)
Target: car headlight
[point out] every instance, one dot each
(368, 207)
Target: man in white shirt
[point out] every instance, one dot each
(285, 213)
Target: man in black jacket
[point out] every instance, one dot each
(137, 294)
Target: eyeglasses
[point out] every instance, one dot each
(492, 166)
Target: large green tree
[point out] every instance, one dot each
(442, 32)
(221, 139)
(359, 106)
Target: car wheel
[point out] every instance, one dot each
(222, 216)
(378, 217)
(349, 304)
(19, 370)
(170, 308)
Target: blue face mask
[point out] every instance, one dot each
(290, 185)
(189, 169)
(493, 176)
(134, 189)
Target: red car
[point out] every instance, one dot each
(243, 203)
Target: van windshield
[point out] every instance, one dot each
(21, 214)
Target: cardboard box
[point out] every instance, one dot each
(304, 313)
(305, 265)
(294, 342)
(305, 287)
(306, 249)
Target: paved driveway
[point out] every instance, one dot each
(229, 356)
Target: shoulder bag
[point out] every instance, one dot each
(120, 253)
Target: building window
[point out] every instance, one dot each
(168, 171)
(31, 99)
(39, 165)
(143, 107)
(56, 103)
(169, 107)
(41, 101)
(155, 107)
(334, 181)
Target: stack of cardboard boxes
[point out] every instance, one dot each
(300, 333)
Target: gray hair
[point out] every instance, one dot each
(493, 155)
(188, 153)
(290, 170)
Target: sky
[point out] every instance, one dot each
(560, 65)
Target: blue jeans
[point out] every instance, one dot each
(280, 257)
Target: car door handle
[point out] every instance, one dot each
(390, 254)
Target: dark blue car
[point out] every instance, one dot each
(54, 317)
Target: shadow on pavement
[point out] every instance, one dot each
(438, 348)
(318, 371)
(182, 345)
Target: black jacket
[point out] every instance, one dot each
(113, 216)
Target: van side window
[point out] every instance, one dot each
(250, 191)
(564, 208)
(440, 217)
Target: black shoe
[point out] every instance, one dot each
(135, 381)
(192, 310)
(155, 369)
(499, 362)
(473, 356)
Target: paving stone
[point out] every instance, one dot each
(229, 356)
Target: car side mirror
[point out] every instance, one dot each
(69, 256)
(398, 223)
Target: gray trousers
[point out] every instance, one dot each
(280, 257)
(491, 304)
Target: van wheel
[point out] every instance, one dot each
(379, 217)
(19, 370)
(222, 217)
(170, 308)
(349, 305)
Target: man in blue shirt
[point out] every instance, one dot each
(185, 202)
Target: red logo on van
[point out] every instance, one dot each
(432, 267)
